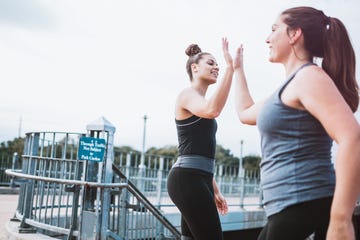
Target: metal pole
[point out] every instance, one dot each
(20, 124)
(13, 166)
(240, 173)
(241, 176)
(142, 161)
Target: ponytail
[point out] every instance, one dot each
(339, 61)
(327, 38)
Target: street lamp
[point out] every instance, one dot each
(141, 172)
(142, 161)
(240, 173)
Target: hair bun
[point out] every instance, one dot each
(192, 50)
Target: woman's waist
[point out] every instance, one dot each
(195, 162)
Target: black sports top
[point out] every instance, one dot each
(196, 136)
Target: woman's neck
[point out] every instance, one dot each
(297, 57)
(292, 66)
(200, 87)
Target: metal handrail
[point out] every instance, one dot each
(128, 185)
(137, 193)
(15, 173)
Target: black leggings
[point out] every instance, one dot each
(192, 192)
(299, 221)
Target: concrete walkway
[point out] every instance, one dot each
(237, 218)
(9, 229)
(8, 204)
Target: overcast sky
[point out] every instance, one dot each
(66, 63)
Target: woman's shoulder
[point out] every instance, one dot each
(312, 75)
(313, 83)
(187, 90)
(187, 94)
(182, 100)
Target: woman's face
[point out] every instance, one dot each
(279, 41)
(206, 69)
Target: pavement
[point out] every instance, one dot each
(9, 229)
(8, 204)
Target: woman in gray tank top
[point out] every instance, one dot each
(298, 123)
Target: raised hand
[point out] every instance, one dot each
(227, 56)
(238, 59)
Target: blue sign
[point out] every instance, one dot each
(91, 149)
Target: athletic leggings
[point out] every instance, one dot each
(192, 192)
(299, 221)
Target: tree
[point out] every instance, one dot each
(125, 149)
(251, 162)
(120, 155)
(168, 150)
(224, 156)
(10, 147)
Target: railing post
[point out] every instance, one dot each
(220, 176)
(128, 165)
(107, 178)
(101, 172)
(13, 166)
(242, 187)
(75, 201)
(123, 220)
(159, 181)
(124, 199)
(32, 148)
(261, 203)
(142, 166)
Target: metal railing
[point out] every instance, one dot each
(55, 210)
(237, 185)
(7, 162)
(52, 197)
(65, 197)
(144, 220)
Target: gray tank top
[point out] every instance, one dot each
(296, 155)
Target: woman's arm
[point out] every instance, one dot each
(195, 103)
(220, 201)
(335, 115)
(246, 109)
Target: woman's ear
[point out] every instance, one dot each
(295, 35)
(194, 67)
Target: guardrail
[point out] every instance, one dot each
(152, 179)
(55, 203)
(66, 197)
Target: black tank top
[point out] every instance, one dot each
(196, 136)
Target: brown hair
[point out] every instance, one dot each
(195, 54)
(327, 38)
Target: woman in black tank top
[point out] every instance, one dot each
(190, 183)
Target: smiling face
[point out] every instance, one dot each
(206, 69)
(279, 41)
